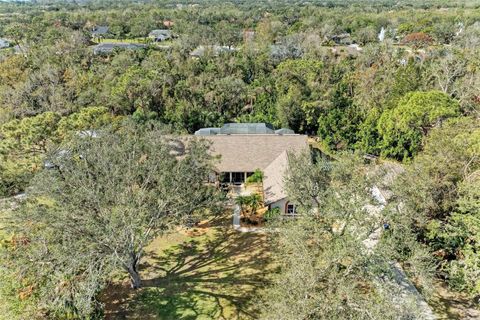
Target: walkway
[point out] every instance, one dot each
(240, 191)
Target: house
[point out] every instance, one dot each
(342, 38)
(168, 23)
(107, 47)
(246, 147)
(283, 51)
(99, 31)
(160, 35)
(352, 50)
(4, 43)
(215, 50)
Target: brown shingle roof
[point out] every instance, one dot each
(245, 153)
(273, 184)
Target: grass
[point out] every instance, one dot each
(211, 272)
(3, 212)
(4, 312)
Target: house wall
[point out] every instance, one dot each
(279, 204)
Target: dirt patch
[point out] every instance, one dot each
(451, 305)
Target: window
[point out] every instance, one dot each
(225, 177)
(238, 177)
(291, 210)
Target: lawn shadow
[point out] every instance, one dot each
(208, 277)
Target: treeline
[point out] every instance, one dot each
(381, 100)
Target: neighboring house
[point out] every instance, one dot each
(99, 31)
(283, 51)
(4, 43)
(168, 23)
(352, 50)
(343, 38)
(246, 147)
(160, 35)
(215, 50)
(107, 48)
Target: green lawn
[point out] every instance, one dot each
(210, 273)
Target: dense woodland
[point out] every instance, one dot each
(408, 93)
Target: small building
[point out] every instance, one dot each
(110, 47)
(160, 35)
(4, 43)
(243, 148)
(214, 50)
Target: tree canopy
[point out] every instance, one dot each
(97, 207)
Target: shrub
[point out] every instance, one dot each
(252, 202)
(256, 177)
(272, 214)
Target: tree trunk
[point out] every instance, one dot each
(135, 280)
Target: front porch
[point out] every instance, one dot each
(235, 178)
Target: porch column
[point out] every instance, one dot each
(245, 175)
(230, 173)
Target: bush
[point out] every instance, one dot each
(272, 214)
(250, 202)
(256, 177)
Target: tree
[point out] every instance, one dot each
(366, 35)
(94, 213)
(462, 236)
(403, 127)
(92, 118)
(299, 95)
(24, 142)
(439, 191)
(447, 69)
(22, 147)
(327, 270)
